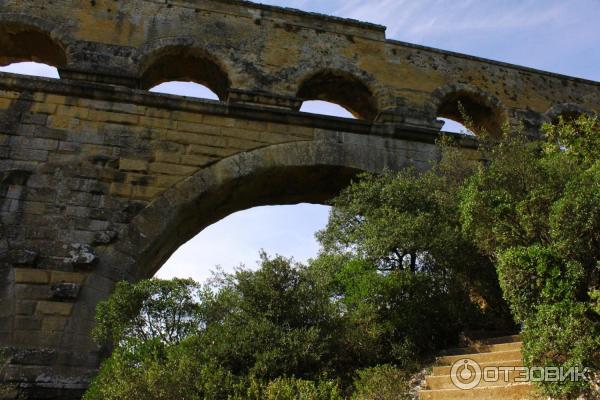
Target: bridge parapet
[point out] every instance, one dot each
(278, 57)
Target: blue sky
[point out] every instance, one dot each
(554, 35)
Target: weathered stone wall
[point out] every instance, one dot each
(102, 181)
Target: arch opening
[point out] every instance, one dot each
(270, 187)
(325, 108)
(463, 106)
(342, 89)
(183, 64)
(32, 68)
(453, 126)
(291, 173)
(23, 43)
(27, 50)
(188, 89)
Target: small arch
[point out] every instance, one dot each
(185, 64)
(568, 111)
(455, 102)
(21, 42)
(343, 89)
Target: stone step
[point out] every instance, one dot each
(501, 379)
(484, 348)
(480, 358)
(500, 340)
(511, 392)
(446, 369)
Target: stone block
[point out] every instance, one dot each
(25, 307)
(128, 164)
(54, 308)
(198, 138)
(171, 169)
(32, 292)
(28, 323)
(23, 256)
(120, 189)
(67, 277)
(104, 237)
(146, 192)
(197, 161)
(51, 323)
(30, 275)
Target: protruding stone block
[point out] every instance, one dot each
(65, 291)
(81, 255)
(23, 256)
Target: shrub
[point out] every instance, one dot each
(562, 335)
(384, 382)
(298, 389)
(530, 276)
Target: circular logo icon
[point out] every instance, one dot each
(465, 374)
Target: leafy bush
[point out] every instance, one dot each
(535, 208)
(384, 382)
(536, 275)
(561, 335)
(298, 389)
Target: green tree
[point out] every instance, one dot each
(384, 382)
(406, 272)
(174, 339)
(534, 208)
(154, 309)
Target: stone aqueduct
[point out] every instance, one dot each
(101, 180)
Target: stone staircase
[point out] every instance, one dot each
(458, 374)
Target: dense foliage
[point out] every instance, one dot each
(535, 208)
(409, 262)
(275, 333)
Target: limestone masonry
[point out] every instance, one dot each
(102, 181)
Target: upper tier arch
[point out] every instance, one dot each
(178, 62)
(30, 39)
(462, 102)
(342, 88)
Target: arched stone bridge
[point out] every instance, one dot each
(101, 180)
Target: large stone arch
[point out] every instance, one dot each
(306, 171)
